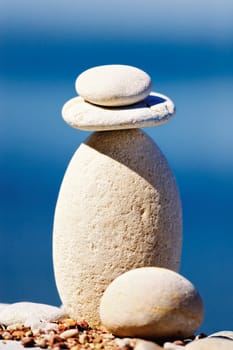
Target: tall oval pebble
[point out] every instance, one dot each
(118, 209)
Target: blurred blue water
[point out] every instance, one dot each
(36, 146)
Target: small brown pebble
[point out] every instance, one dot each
(6, 335)
(98, 339)
(83, 325)
(28, 333)
(83, 338)
(69, 322)
(178, 342)
(108, 336)
(41, 343)
(76, 347)
(59, 346)
(17, 335)
(27, 342)
(53, 340)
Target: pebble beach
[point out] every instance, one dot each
(67, 333)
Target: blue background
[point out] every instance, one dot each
(187, 48)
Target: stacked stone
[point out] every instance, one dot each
(118, 210)
(117, 233)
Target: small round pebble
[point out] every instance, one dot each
(223, 334)
(146, 345)
(151, 302)
(113, 85)
(210, 344)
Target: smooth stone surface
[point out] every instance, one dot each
(225, 334)
(30, 314)
(113, 85)
(146, 345)
(155, 110)
(151, 302)
(14, 345)
(118, 209)
(171, 346)
(210, 344)
(3, 306)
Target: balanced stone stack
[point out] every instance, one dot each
(119, 210)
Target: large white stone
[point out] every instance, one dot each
(151, 302)
(2, 306)
(113, 85)
(210, 344)
(155, 110)
(30, 314)
(118, 209)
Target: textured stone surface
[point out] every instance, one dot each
(118, 209)
(113, 85)
(210, 344)
(151, 302)
(29, 314)
(155, 110)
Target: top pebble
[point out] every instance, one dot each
(113, 85)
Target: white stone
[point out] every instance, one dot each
(69, 333)
(146, 345)
(151, 302)
(172, 346)
(210, 344)
(113, 85)
(3, 306)
(30, 314)
(118, 209)
(14, 345)
(155, 110)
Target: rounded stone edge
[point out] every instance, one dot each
(89, 117)
(113, 100)
(119, 330)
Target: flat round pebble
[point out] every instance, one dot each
(113, 85)
(29, 314)
(155, 110)
(151, 302)
(224, 334)
(210, 344)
